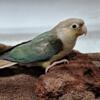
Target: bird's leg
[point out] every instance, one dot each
(56, 63)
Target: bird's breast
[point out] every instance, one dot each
(68, 46)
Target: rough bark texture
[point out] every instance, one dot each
(78, 80)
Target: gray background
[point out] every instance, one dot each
(21, 20)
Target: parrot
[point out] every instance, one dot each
(48, 48)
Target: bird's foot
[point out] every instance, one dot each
(56, 63)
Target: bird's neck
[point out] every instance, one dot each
(66, 37)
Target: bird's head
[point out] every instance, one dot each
(73, 26)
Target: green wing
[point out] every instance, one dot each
(43, 47)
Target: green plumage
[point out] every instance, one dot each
(41, 48)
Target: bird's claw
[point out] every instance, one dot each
(56, 63)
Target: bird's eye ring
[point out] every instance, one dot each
(74, 26)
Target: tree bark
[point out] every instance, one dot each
(78, 80)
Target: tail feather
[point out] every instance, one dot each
(5, 64)
(6, 61)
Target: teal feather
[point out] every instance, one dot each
(41, 48)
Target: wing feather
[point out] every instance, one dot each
(43, 47)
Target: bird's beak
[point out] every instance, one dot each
(84, 30)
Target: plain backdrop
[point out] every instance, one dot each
(22, 20)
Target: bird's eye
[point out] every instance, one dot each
(74, 26)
